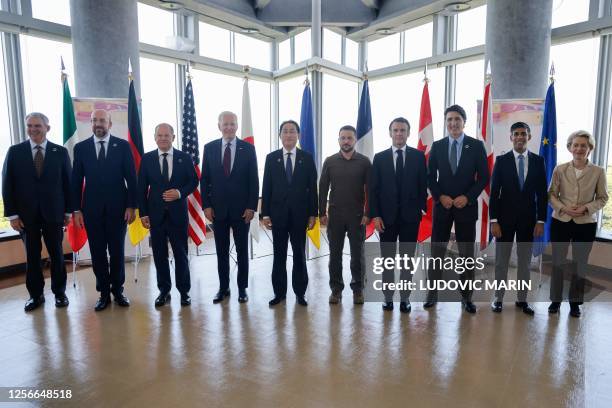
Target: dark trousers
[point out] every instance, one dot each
(177, 235)
(581, 237)
(503, 248)
(222, 243)
(104, 233)
(407, 233)
(465, 234)
(53, 234)
(294, 231)
(337, 227)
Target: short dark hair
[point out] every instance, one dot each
(348, 127)
(290, 121)
(518, 125)
(458, 109)
(399, 120)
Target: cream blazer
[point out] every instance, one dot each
(590, 190)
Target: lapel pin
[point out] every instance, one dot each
(114, 144)
(278, 160)
(54, 149)
(180, 160)
(299, 161)
(467, 146)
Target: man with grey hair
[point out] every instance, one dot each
(36, 193)
(106, 204)
(230, 193)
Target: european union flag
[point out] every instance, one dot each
(548, 150)
(307, 139)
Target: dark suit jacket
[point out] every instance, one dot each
(383, 192)
(25, 194)
(508, 203)
(230, 196)
(151, 186)
(471, 177)
(110, 186)
(279, 198)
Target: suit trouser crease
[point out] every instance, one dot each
(294, 232)
(160, 235)
(240, 231)
(503, 250)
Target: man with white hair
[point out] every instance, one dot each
(230, 192)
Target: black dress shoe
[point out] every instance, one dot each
(185, 299)
(496, 307)
(575, 310)
(469, 307)
(162, 299)
(61, 301)
(301, 300)
(102, 303)
(405, 307)
(526, 308)
(429, 304)
(387, 306)
(122, 300)
(554, 307)
(221, 294)
(33, 303)
(276, 300)
(243, 297)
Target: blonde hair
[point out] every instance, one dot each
(581, 133)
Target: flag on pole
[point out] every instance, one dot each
(77, 237)
(307, 143)
(426, 139)
(365, 141)
(548, 150)
(486, 136)
(190, 145)
(136, 231)
(247, 135)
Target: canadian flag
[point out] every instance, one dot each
(425, 141)
(486, 136)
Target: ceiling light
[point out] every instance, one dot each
(249, 30)
(171, 5)
(385, 31)
(453, 8)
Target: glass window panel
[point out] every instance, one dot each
(284, 54)
(155, 26)
(290, 99)
(569, 12)
(214, 42)
(352, 54)
(41, 79)
(418, 42)
(384, 52)
(471, 27)
(606, 220)
(340, 98)
(5, 139)
(469, 89)
(332, 46)
(158, 92)
(303, 46)
(253, 52)
(57, 11)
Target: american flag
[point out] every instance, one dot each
(189, 145)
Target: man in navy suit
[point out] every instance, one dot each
(106, 205)
(398, 198)
(458, 173)
(165, 179)
(289, 205)
(230, 192)
(517, 207)
(36, 194)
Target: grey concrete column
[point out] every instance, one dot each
(104, 36)
(317, 81)
(518, 46)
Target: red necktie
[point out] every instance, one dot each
(227, 160)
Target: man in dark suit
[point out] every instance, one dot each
(517, 207)
(104, 163)
(398, 198)
(165, 179)
(230, 191)
(36, 194)
(289, 207)
(458, 173)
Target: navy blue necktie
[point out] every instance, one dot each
(521, 170)
(399, 169)
(453, 156)
(289, 168)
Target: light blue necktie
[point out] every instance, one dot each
(521, 170)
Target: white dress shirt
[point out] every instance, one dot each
(168, 158)
(43, 145)
(232, 145)
(285, 155)
(97, 141)
(395, 149)
(525, 160)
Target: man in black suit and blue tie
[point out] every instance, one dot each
(289, 205)
(36, 194)
(398, 199)
(517, 207)
(104, 163)
(457, 174)
(230, 192)
(165, 179)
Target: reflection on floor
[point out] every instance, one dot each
(321, 356)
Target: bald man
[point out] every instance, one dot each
(104, 163)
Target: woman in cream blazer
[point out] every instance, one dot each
(578, 190)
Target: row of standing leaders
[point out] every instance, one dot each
(100, 191)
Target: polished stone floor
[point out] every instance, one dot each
(251, 355)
